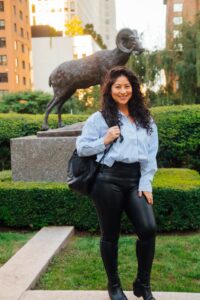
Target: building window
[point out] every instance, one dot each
(34, 20)
(1, 5)
(17, 79)
(33, 8)
(23, 48)
(3, 77)
(72, 6)
(23, 64)
(3, 60)
(2, 42)
(27, 35)
(178, 47)
(14, 9)
(15, 45)
(176, 34)
(177, 85)
(107, 21)
(2, 24)
(178, 7)
(21, 15)
(177, 20)
(75, 56)
(24, 80)
(21, 32)
(16, 62)
(15, 27)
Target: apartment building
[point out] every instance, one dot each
(56, 13)
(15, 46)
(102, 14)
(177, 12)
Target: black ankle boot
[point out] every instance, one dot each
(145, 254)
(115, 292)
(142, 289)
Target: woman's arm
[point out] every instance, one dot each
(149, 168)
(89, 142)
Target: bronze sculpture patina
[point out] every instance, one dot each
(89, 71)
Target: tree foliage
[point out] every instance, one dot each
(181, 64)
(74, 27)
(84, 100)
(89, 29)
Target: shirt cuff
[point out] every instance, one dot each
(144, 186)
(99, 144)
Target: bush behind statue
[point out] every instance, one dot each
(28, 102)
(35, 102)
(178, 129)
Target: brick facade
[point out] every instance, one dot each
(15, 46)
(185, 9)
(178, 11)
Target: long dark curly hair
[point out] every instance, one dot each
(136, 106)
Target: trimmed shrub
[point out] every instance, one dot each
(33, 204)
(179, 136)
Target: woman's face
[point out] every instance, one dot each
(121, 91)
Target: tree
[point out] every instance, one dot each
(89, 29)
(182, 63)
(84, 100)
(145, 66)
(74, 27)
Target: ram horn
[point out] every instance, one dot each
(127, 41)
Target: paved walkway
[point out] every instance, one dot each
(22, 271)
(99, 295)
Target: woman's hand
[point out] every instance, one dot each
(112, 134)
(148, 196)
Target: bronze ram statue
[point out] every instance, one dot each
(89, 71)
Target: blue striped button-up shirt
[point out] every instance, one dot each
(137, 146)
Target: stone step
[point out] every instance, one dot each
(100, 295)
(22, 271)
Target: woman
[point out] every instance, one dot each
(124, 180)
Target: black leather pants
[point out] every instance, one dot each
(116, 190)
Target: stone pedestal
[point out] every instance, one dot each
(44, 157)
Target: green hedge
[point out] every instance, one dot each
(179, 136)
(176, 203)
(178, 128)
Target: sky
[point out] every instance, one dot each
(147, 16)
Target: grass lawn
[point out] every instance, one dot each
(78, 266)
(10, 243)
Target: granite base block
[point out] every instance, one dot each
(41, 158)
